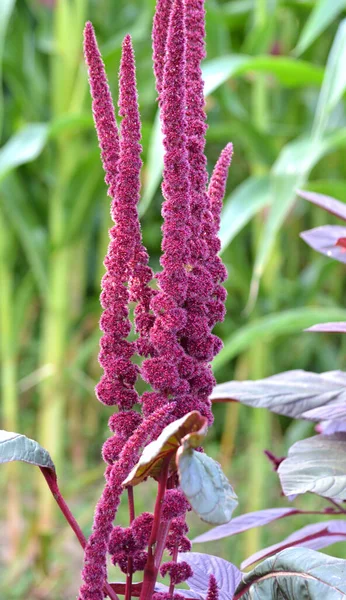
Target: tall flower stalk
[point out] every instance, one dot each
(174, 318)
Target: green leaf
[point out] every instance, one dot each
(24, 146)
(192, 428)
(21, 213)
(15, 446)
(290, 72)
(295, 573)
(272, 326)
(246, 201)
(322, 15)
(205, 486)
(334, 83)
(297, 158)
(6, 8)
(316, 465)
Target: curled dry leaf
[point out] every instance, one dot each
(192, 427)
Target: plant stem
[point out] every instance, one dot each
(52, 482)
(151, 568)
(128, 588)
(174, 558)
(340, 509)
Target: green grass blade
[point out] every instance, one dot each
(6, 8)
(272, 326)
(334, 83)
(245, 202)
(20, 211)
(290, 72)
(23, 147)
(322, 15)
(293, 166)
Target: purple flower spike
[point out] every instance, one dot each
(129, 188)
(196, 126)
(213, 590)
(218, 180)
(160, 29)
(175, 210)
(103, 109)
(162, 372)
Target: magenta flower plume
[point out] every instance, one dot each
(159, 38)
(103, 109)
(94, 572)
(128, 190)
(174, 323)
(213, 590)
(218, 180)
(162, 372)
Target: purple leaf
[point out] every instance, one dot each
(328, 239)
(292, 393)
(335, 327)
(316, 465)
(203, 565)
(245, 522)
(161, 587)
(327, 413)
(330, 427)
(315, 537)
(334, 207)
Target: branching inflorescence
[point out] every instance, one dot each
(173, 319)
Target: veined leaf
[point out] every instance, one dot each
(244, 523)
(203, 565)
(316, 536)
(14, 446)
(205, 486)
(316, 465)
(329, 240)
(334, 207)
(192, 426)
(293, 393)
(295, 573)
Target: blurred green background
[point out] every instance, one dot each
(275, 81)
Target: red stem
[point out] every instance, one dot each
(50, 477)
(119, 588)
(174, 558)
(151, 568)
(129, 573)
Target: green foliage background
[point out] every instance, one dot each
(275, 77)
